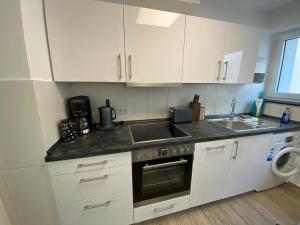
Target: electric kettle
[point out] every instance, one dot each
(107, 115)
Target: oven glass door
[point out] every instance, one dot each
(158, 178)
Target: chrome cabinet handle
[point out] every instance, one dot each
(236, 149)
(84, 180)
(162, 165)
(130, 66)
(216, 147)
(81, 165)
(87, 207)
(219, 69)
(165, 208)
(226, 69)
(120, 66)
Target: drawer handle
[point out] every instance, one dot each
(84, 180)
(92, 164)
(165, 208)
(216, 147)
(87, 207)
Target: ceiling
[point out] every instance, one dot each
(265, 5)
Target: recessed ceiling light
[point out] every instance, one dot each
(154, 17)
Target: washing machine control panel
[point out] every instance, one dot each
(289, 139)
(286, 138)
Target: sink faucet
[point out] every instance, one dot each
(233, 102)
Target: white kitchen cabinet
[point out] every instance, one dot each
(219, 52)
(86, 40)
(114, 209)
(89, 163)
(240, 53)
(160, 209)
(203, 51)
(21, 136)
(31, 194)
(154, 53)
(210, 171)
(90, 191)
(247, 164)
(78, 186)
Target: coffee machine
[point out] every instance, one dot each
(107, 115)
(81, 113)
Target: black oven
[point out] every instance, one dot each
(161, 173)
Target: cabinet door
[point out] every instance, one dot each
(240, 53)
(154, 49)
(116, 209)
(203, 51)
(247, 164)
(86, 40)
(210, 171)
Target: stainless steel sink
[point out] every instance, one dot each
(239, 124)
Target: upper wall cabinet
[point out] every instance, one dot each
(86, 40)
(240, 53)
(219, 52)
(154, 42)
(203, 52)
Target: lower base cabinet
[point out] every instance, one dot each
(247, 164)
(210, 171)
(161, 208)
(94, 190)
(107, 210)
(99, 196)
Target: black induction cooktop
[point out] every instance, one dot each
(155, 132)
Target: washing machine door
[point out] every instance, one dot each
(287, 162)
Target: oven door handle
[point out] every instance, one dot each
(162, 165)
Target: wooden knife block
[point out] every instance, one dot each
(196, 110)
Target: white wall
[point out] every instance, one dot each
(13, 62)
(51, 104)
(3, 215)
(276, 110)
(30, 111)
(150, 103)
(35, 39)
(284, 18)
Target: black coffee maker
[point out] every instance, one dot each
(81, 113)
(107, 115)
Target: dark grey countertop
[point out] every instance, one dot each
(119, 140)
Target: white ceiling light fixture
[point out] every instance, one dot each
(154, 17)
(191, 1)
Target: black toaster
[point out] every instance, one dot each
(181, 114)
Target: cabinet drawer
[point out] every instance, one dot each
(114, 209)
(78, 186)
(160, 209)
(90, 163)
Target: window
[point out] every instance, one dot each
(289, 69)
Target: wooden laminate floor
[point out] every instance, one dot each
(280, 205)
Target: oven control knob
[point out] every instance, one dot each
(155, 154)
(140, 156)
(163, 152)
(174, 152)
(182, 151)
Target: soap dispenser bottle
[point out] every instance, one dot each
(286, 116)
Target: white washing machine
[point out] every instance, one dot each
(282, 161)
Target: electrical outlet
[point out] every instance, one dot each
(121, 111)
